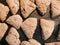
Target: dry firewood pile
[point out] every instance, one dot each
(29, 22)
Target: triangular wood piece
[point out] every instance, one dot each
(58, 36)
(13, 37)
(27, 7)
(34, 42)
(3, 12)
(42, 5)
(3, 29)
(55, 7)
(25, 43)
(29, 26)
(15, 21)
(47, 28)
(14, 5)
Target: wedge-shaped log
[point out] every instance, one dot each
(27, 7)
(47, 28)
(29, 27)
